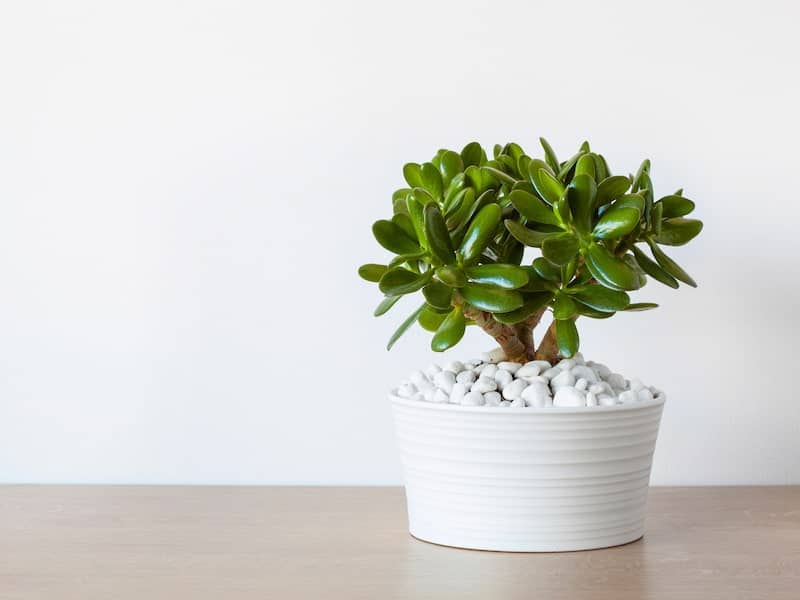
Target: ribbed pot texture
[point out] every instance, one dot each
(526, 479)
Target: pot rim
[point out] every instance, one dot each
(550, 410)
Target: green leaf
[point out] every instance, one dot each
(529, 237)
(639, 306)
(404, 327)
(432, 180)
(533, 209)
(549, 155)
(562, 211)
(437, 235)
(533, 303)
(451, 276)
(546, 269)
(415, 213)
(472, 155)
(412, 173)
(569, 165)
(644, 168)
(581, 193)
(399, 281)
(602, 298)
(616, 222)
(480, 231)
(499, 175)
(593, 313)
(372, 272)
(491, 298)
(629, 201)
(678, 231)
(401, 259)
(404, 223)
(505, 276)
(675, 206)
(564, 307)
(651, 268)
(585, 166)
(385, 305)
(611, 188)
(450, 331)
(567, 337)
(561, 248)
(669, 265)
(393, 238)
(547, 186)
(450, 166)
(430, 319)
(438, 295)
(609, 270)
(600, 168)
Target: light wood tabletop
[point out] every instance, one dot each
(119, 542)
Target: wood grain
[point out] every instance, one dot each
(87, 542)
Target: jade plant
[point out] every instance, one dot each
(460, 228)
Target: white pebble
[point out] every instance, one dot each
(569, 397)
(591, 399)
(551, 372)
(602, 370)
(628, 396)
(489, 370)
(483, 385)
(528, 370)
(616, 381)
(511, 367)
(537, 395)
(644, 395)
(567, 364)
(514, 390)
(444, 380)
(606, 400)
(565, 378)
(503, 378)
(636, 385)
(492, 399)
(466, 377)
(494, 356)
(586, 373)
(441, 396)
(432, 370)
(458, 393)
(454, 366)
(418, 376)
(425, 386)
(600, 387)
(473, 399)
(578, 358)
(418, 397)
(406, 390)
(581, 384)
(517, 403)
(542, 364)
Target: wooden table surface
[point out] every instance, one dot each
(226, 543)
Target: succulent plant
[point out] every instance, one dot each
(460, 228)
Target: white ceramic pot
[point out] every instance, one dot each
(526, 479)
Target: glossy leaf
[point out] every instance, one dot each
(432, 180)
(387, 303)
(675, 206)
(450, 331)
(670, 266)
(533, 209)
(505, 276)
(581, 193)
(372, 272)
(393, 238)
(609, 270)
(678, 231)
(602, 298)
(437, 235)
(564, 307)
(567, 337)
(547, 186)
(616, 222)
(450, 166)
(549, 155)
(412, 173)
(561, 248)
(480, 231)
(404, 327)
(533, 304)
(593, 313)
(527, 236)
(472, 154)
(491, 298)
(399, 281)
(546, 269)
(499, 175)
(438, 295)
(637, 181)
(640, 306)
(611, 188)
(451, 276)
(653, 269)
(404, 223)
(430, 318)
(585, 166)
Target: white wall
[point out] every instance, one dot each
(186, 189)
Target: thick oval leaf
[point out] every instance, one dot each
(611, 188)
(393, 238)
(669, 265)
(678, 231)
(536, 283)
(561, 248)
(651, 268)
(546, 269)
(567, 337)
(438, 295)
(569, 165)
(385, 305)
(609, 270)
(644, 168)
(533, 304)
(399, 281)
(616, 222)
(510, 277)
(404, 327)
(404, 222)
(432, 180)
(562, 211)
(581, 193)
(437, 235)
(564, 307)
(472, 155)
(416, 214)
(592, 313)
(450, 331)
(629, 201)
(602, 298)
(500, 176)
(549, 155)
(480, 231)
(675, 206)
(491, 298)
(412, 173)
(372, 272)
(533, 209)
(526, 236)
(430, 319)
(639, 306)
(656, 218)
(585, 166)
(450, 166)
(547, 186)
(600, 168)
(451, 276)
